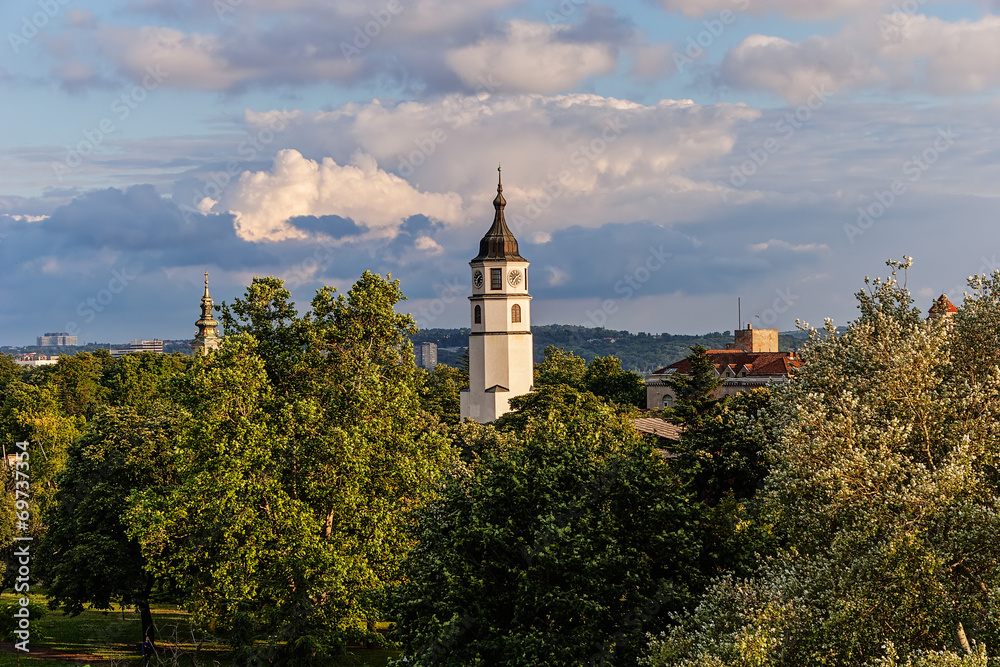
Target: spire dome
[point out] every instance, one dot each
(207, 338)
(499, 242)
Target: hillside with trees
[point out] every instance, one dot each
(640, 352)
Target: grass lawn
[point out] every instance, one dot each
(115, 639)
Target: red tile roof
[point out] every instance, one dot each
(756, 363)
(943, 306)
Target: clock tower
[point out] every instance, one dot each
(501, 361)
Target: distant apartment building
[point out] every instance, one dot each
(427, 355)
(61, 339)
(33, 360)
(752, 361)
(138, 347)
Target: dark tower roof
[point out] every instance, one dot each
(499, 242)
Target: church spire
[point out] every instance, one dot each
(207, 338)
(499, 242)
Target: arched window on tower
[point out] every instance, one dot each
(477, 317)
(515, 313)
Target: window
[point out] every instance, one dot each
(515, 313)
(496, 279)
(477, 317)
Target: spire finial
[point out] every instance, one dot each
(499, 180)
(206, 276)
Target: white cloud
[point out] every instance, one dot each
(428, 244)
(211, 62)
(795, 70)
(580, 158)
(901, 51)
(530, 57)
(264, 201)
(785, 245)
(799, 9)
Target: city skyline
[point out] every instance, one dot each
(660, 159)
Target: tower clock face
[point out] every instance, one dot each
(514, 278)
(477, 279)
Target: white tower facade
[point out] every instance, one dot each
(501, 359)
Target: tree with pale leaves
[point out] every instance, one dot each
(883, 484)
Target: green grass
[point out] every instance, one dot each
(115, 639)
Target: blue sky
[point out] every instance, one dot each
(661, 158)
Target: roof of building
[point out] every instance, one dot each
(942, 306)
(756, 364)
(658, 427)
(499, 242)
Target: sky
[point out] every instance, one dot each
(662, 159)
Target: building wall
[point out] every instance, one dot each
(426, 355)
(756, 340)
(656, 393)
(500, 350)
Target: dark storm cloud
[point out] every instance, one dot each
(331, 225)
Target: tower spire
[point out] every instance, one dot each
(207, 337)
(499, 242)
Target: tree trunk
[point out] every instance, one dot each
(962, 641)
(142, 603)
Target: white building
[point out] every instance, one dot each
(501, 363)
(138, 347)
(58, 339)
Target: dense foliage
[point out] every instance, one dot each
(561, 542)
(883, 478)
(306, 481)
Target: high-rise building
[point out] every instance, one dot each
(426, 355)
(501, 364)
(56, 340)
(207, 337)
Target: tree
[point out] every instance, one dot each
(562, 549)
(605, 377)
(439, 392)
(87, 556)
(883, 485)
(141, 380)
(694, 391)
(560, 367)
(305, 464)
(76, 381)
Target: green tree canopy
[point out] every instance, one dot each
(605, 377)
(560, 367)
(694, 391)
(307, 458)
(87, 557)
(562, 549)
